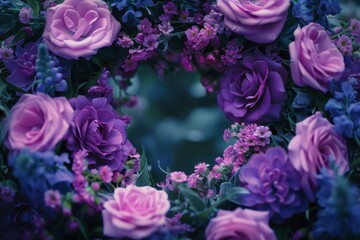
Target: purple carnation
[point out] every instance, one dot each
(22, 67)
(98, 129)
(253, 90)
(274, 185)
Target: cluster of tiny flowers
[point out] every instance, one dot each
(346, 37)
(84, 193)
(87, 183)
(249, 139)
(232, 53)
(146, 41)
(199, 39)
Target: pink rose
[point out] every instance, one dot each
(38, 122)
(316, 140)
(136, 212)
(78, 28)
(315, 60)
(260, 21)
(240, 224)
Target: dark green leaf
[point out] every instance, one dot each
(11, 85)
(144, 177)
(7, 22)
(236, 194)
(34, 5)
(195, 200)
(18, 36)
(225, 188)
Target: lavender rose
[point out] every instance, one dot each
(315, 142)
(98, 129)
(315, 60)
(253, 90)
(260, 21)
(274, 185)
(78, 28)
(240, 224)
(38, 122)
(135, 212)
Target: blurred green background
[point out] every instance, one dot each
(176, 121)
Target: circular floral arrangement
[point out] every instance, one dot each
(285, 73)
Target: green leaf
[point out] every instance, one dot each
(236, 194)
(84, 230)
(144, 177)
(282, 231)
(225, 188)
(34, 5)
(11, 85)
(92, 81)
(18, 36)
(195, 200)
(7, 22)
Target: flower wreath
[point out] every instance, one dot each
(286, 73)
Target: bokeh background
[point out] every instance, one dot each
(176, 122)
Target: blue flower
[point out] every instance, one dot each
(328, 7)
(344, 109)
(131, 15)
(344, 126)
(304, 11)
(48, 77)
(311, 10)
(338, 217)
(37, 172)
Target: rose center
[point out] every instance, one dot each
(80, 26)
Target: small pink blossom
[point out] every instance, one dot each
(344, 44)
(178, 177)
(52, 198)
(125, 41)
(106, 173)
(165, 28)
(201, 168)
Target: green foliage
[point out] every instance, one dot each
(194, 199)
(144, 176)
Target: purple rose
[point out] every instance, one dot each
(22, 68)
(38, 122)
(135, 212)
(309, 151)
(315, 60)
(274, 185)
(260, 21)
(242, 224)
(253, 90)
(98, 129)
(78, 28)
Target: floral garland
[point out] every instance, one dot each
(286, 73)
